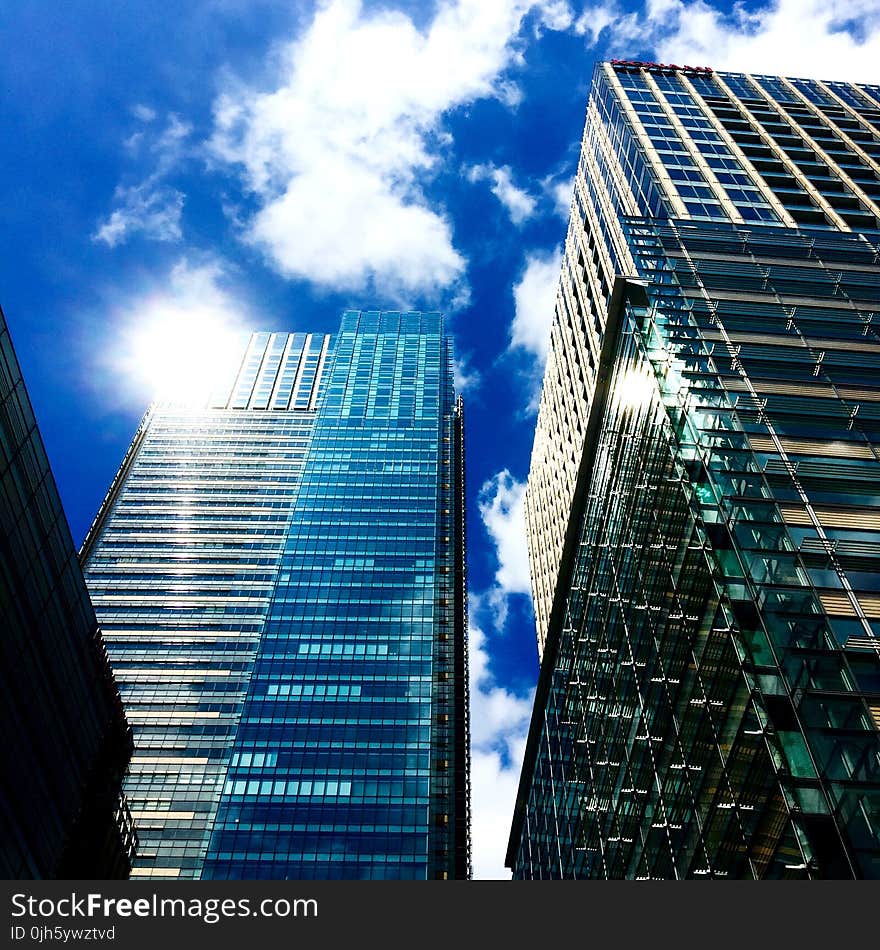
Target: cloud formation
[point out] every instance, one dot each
(143, 112)
(337, 155)
(534, 298)
(499, 716)
(835, 39)
(519, 204)
(150, 207)
(560, 192)
(499, 726)
(153, 211)
(465, 377)
(502, 508)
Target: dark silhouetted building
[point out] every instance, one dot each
(64, 741)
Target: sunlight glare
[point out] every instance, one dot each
(182, 354)
(635, 389)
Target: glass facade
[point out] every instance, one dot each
(64, 740)
(709, 697)
(281, 580)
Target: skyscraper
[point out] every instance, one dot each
(703, 518)
(280, 577)
(64, 741)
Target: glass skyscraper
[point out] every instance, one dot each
(64, 741)
(280, 578)
(702, 504)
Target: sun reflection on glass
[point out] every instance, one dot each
(635, 388)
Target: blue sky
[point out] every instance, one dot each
(277, 162)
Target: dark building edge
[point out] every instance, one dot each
(624, 289)
(103, 840)
(462, 830)
(97, 525)
(99, 837)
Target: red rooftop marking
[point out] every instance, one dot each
(637, 64)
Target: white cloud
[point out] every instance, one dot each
(534, 297)
(559, 190)
(499, 716)
(790, 37)
(464, 376)
(143, 112)
(595, 19)
(338, 153)
(201, 285)
(520, 205)
(499, 726)
(151, 207)
(167, 146)
(155, 212)
(134, 141)
(493, 795)
(836, 39)
(502, 508)
(557, 15)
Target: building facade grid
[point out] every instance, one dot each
(702, 527)
(280, 576)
